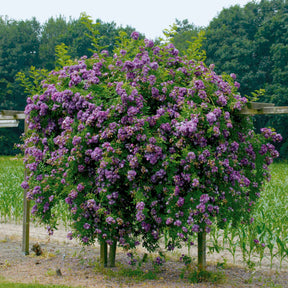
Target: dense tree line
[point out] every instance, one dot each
(28, 43)
(250, 41)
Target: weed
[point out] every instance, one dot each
(50, 272)
(199, 276)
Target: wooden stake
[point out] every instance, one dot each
(26, 215)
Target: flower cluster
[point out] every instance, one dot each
(142, 142)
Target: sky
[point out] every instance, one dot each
(150, 17)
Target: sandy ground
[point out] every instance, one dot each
(78, 265)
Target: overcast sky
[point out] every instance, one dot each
(150, 17)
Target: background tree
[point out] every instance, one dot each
(252, 43)
(19, 49)
(183, 33)
(26, 44)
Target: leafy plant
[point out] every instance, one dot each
(143, 143)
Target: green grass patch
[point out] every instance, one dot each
(11, 193)
(215, 277)
(128, 274)
(6, 284)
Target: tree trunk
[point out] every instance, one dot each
(202, 250)
(112, 254)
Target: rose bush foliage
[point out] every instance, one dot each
(143, 143)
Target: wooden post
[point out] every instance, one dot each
(26, 215)
(201, 250)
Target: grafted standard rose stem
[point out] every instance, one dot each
(103, 253)
(201, 250)
(112, 254)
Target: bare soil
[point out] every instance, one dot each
(65, 262)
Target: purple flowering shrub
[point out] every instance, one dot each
(143, 143)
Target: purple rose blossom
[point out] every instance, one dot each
(237, 84)
(80, 187)
(226, 115)
(169, 221)
(134, 35)
(74, 210)
(81, 168)
(195, 182)
(199, 85)
(25, 185)
(36, 190)
(154, 65)
(86, 226)
(73, 194)
(159, 261)
(68, 200)
(207, 229)
(178, 223)
(76, 140)
(91, 204)
(180, 202)
(46, 207)
(85, 239)
(149, 43)
(187, 128)
(131, 175)
(196, 228)
(233, 76)
(201, 207)
(105, 53)
(50, 230)
(96, 154)
(202, 94)
(39, 177)
(140, 216)
(211, 118)
(70, 235)
(34, 209)
(146, 226)
(110, 220)
(222, 100)
(140, 206)
(234, 146)
(190, 156)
